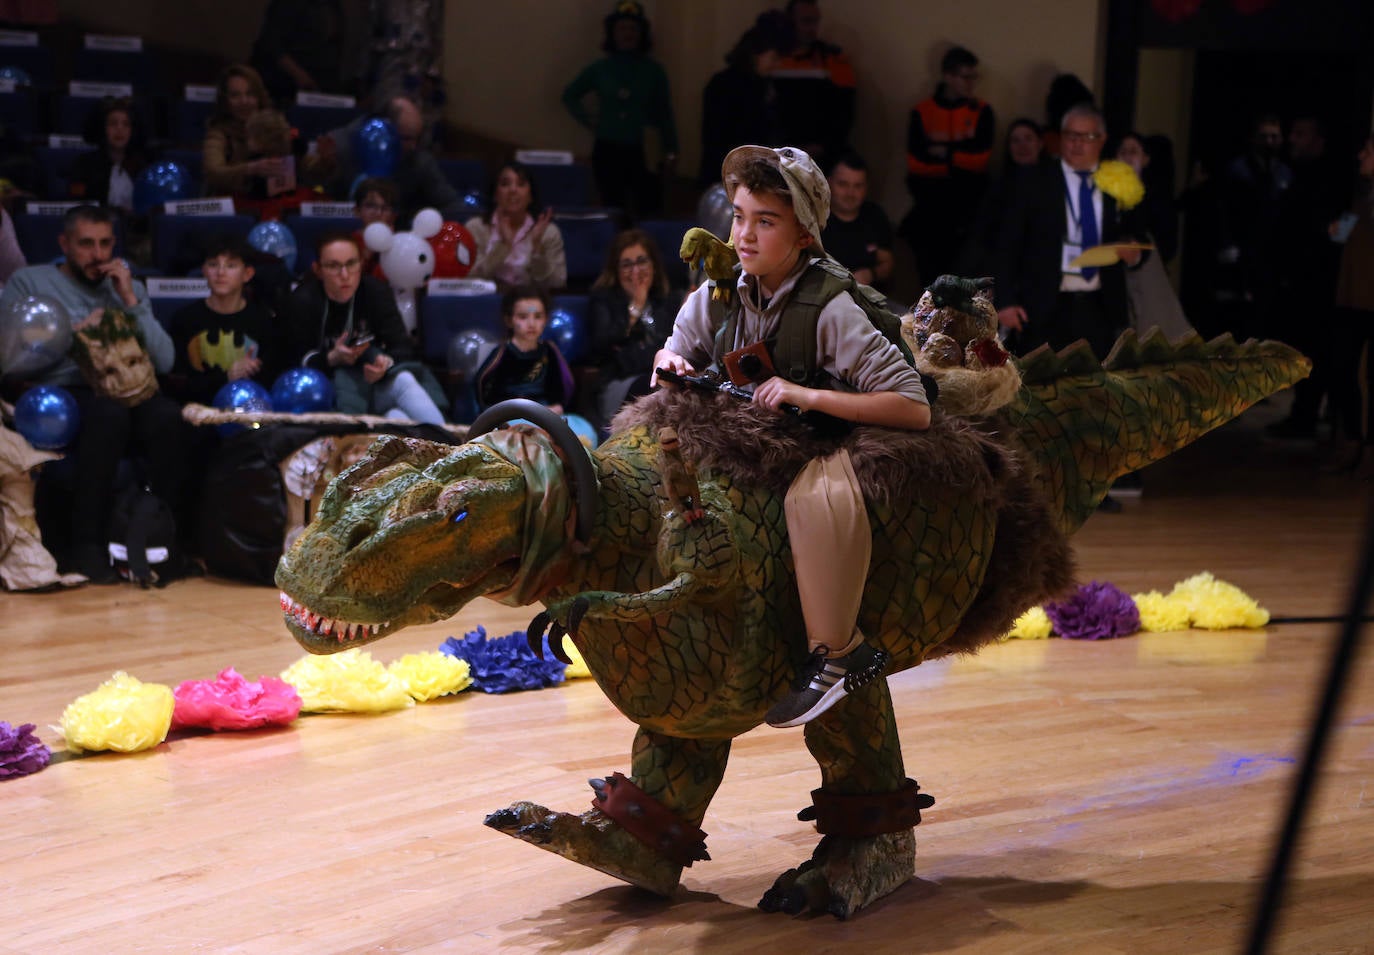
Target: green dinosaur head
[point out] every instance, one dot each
(410, 534)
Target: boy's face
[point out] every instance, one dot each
(527, 321)
(767, 235)
(375, 208)
(227, 274)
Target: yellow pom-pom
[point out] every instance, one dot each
(1034, 624)
(433, 674)
(1217, 605)
(347, 682)
(124, 714)
(1160, 613)
(1118, 180)
(577, 670)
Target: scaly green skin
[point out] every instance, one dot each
(694, 631)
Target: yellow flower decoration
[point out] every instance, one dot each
(1034, 624)
(1216, 605)
(123, 714)
(432, 674)
(1160, 613)
(577, 670)
(1118, 180)
(347, 682)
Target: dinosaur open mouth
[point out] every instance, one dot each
(322, 626)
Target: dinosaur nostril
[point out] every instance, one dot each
(356, 535)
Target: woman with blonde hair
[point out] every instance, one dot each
(228, 164)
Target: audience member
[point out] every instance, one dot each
(11, 255)
(304, 45)
(519, 244)
(1066, 91)
(374, 200)
(1040, 295)
(1149, 292)
(269, 136)
(524, 366)
(1354, 325)
(105, 175)
(1309, 263)
(346, 324)
(228, 166)
(90, 280)
(739, 104)
(631, 93)
(949, 144)
(858, 234)
(631, 311)
(816, 88)
(420, 181)
(226, 336)
(1025, 153)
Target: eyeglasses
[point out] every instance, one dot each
(1080, 137)
(338, 268)
(639, 263)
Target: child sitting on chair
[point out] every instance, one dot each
(525, 367)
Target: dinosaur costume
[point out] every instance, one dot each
(693, 629)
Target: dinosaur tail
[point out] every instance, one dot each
(1087, 423)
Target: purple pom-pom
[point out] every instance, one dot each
(21, 753)
(1096, 611)
(504, 664)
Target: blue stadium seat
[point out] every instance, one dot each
(307, 229)
(585, 241)
(36, 61)
(20, 111)
(56, 162)
(188, 121)
(176, 238)
(315, 121)
(563, 186)
(443, 316)
(37, 235)
(668, 233)
(466, 175)
(117, 66)
(166, 306)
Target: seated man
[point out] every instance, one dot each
(858, 234)
(89, 281)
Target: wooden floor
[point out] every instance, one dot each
(1105, 798)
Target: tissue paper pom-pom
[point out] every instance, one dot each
(429, 675)
(347, 682)
(123, 714)
(1034, 624)
(504, 664)
(1096, 611)
(21, 753)
(1119, 180)
(229, 702)
(577, 670)
(1216, 605)
(1161, 613)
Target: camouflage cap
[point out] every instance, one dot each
(807, 184)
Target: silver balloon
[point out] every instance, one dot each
(35, 333)
(467, 349)
(715, 213)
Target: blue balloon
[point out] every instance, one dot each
(244, 396)
(584, 431)
(566, 332)
(18, 74)
(472, 202)
(47, 417)
(376, 147)
(276, 239)
(303, 390)
(160, 183)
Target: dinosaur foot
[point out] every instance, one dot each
(591, 839)
(845, 874)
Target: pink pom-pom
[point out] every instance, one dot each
(229, 702)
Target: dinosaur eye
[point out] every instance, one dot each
(460, 517)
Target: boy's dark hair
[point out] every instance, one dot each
(227, 244)
(519, 292)
(100, 215)
(957, 58)
(759, 176)
(386, 188)
(335, 235)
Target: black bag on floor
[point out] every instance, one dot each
(143, 539)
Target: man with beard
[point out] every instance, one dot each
(90, 280)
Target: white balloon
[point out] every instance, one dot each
(35, 333)
(377, 237)
(409, 261)
(427, 223)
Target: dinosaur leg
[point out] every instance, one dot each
(860, 757)
(678, 775)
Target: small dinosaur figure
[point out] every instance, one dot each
(694, 630)
(702, 250)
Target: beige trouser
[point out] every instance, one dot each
(832, 544)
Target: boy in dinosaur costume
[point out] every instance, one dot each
(781, 201)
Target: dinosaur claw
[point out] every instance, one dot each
(534, 634)
(576, 612)
(556, 635)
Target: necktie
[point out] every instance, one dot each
(1087, 217)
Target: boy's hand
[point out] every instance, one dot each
(375, 370)
(245, 367)
(342, 353)
(673, 362)
(778, 391)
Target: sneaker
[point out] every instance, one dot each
(824, 681)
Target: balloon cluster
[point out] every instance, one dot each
(302, 391)
(376, 147)
(35, 335)
(160, 183)
(273, 238)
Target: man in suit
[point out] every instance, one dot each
(1040, 296)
